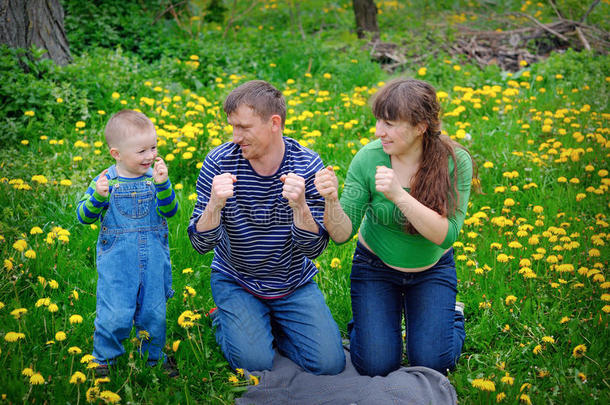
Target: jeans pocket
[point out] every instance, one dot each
(106, 242)
(133, 204)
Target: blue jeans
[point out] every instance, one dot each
(134, 273)
(300, 323)
(434, 329)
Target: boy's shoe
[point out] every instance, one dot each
(170, 367)
(211, 312)
(102, 370)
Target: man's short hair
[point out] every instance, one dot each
(124, 123)
(264, 99)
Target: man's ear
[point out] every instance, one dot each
(114, 152)
(276, 122)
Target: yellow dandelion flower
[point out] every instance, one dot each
(87, 358)
(233, 379)
(579, 351)
(188, 270)
(28, 372)
(60, 336)
(92, 394)
(8, 264)
(20, 245)
(189, 291)
(507, 379)
(78, 378)
(35, 230)
(254, 380)
(76, 319)
(483, 384)
(74, 350)
(500, 397)
(335, 263)
(52, 308)
(175, 345)
(502, 258)
(110, 397)
(30, 254)
(510, 299)
(18, 313)
(14, 336)
(537, 349)
(102, 380)
(594, 252)
(548, 339)
(525, 399)
(37, 379)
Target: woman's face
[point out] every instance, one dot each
(399, 137)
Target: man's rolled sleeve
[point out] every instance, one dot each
(312, 244)
(204, 241)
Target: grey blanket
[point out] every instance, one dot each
(287, 383)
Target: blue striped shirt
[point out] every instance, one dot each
(257, 242)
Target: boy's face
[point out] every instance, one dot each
(135, 154)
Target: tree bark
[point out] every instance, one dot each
(24, 23)
(366, 18)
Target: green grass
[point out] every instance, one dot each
(544, 185)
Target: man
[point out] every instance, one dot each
(258, 208)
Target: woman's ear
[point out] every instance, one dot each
(422, 127)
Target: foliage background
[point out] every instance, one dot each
(532, 259)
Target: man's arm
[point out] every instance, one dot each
(308, 232)
(213, 189)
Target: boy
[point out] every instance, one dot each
(132, 199)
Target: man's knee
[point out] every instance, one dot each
(250, 358)
(330, 365)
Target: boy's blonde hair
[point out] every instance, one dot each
(124, 123)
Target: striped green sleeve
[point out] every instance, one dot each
(91, 205)
(167, 204)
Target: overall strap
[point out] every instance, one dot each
(112, 173)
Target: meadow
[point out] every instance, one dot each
(532, 256)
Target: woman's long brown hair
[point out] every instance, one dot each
(415, 101)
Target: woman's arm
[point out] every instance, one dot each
(336, 222)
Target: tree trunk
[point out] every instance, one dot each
(366, 18)
(24, 23)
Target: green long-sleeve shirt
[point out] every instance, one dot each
(383, 226)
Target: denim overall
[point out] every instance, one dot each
(134, 272)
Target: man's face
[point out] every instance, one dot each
(255, 136)
(136, 154)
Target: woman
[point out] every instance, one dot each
(413, 202)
